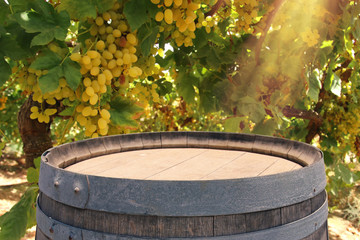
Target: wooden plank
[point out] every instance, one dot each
(262, 220)
(281, 165)
(295, 212)
(229, 224)
(198, 167)
(185, 227)
(246, 165)
(183, 164)
(150, 164)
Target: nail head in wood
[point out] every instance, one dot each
(76, 189)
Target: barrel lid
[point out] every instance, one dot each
(182, 197)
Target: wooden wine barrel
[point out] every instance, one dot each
(179, 185)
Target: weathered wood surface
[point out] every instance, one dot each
(183, 164)
(164, 226)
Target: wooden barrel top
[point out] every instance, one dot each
(183, 164)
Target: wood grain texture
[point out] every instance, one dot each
(183, 164)
(184, 227)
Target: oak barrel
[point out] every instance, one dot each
(179, 185)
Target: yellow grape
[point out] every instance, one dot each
(51, 101)
(155, 1)
(96, 62)
(178, 2)
(168, 3)
(108, 74)
(86, 60)
(119, 62)
(108, 29)
(101, 79)
(81, 120)
(85, 97)
(93, 54)
(94, 112)
(94, 99)
(75, 57)
(79, 108)
(103, 131)
(87, 82)
(168, 16)
(102, 123)
(86, 111)
(34, 109)
(116, 33)
(159, 16)
(127, 58)
(50, 111)
(112, 48)
(112, 64)
(99, 21)
(103, 88)
(105, 114)
(34, 115)
(100, 45)
(131, 38)
(95, 71)
(95, 85)
(107, 55)
(106, 16)
(95, 135)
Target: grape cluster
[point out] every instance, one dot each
(181, 18)
(247, 11)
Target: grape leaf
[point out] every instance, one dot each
(138, 12)
(13, 224)
(11, 48)
(51, 25)
(232, 124)
(314, 87)
(5, 71)
(122, 111)
(69, 111)
(72, 73)
(37, 162)
(147, 35)
(50, 81)
(82, 9)
(42, 38)
(32, 175)
(46, 60)
(19, 5)
(185, 84)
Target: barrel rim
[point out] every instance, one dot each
(182, 198)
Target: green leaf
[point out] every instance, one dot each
(5, 71)
(42, 38)
(223, 26)
(185, 84)
(19, 5)
(14, 223)
(37, 162)
(4, 11)
(266, 127)
(138, 12)
(345, 174)
(164, 87)
(314, 87)
(69, 111)
(147, 35)
(50, 81)
(32, 175)
(46, 60)
(11, 48)
(51, 25)
(72, 73)
(233, 124)
(122, 111)
(79, 9)
(248, 106)
(328, 159)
